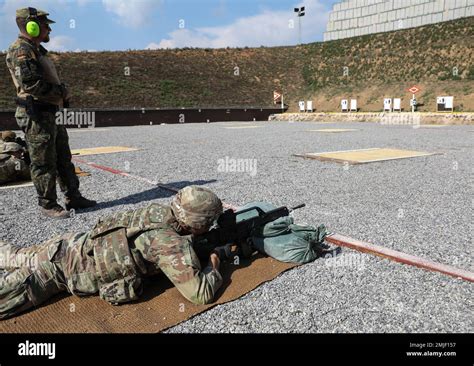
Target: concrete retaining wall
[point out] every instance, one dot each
(383, 118)
(351, 18)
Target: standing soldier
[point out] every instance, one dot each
(40, 94)
(113, 258)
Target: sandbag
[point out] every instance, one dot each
(284, 240)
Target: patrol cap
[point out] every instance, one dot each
(11, 147)
(8, 136)
(41, 16)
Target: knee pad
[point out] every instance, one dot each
(45, 282)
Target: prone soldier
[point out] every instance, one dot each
(14, 163)
(113, 258)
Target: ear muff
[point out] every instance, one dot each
(32, 26)
(33, 29)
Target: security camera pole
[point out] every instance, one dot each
(301, 13)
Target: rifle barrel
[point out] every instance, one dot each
(297, 207)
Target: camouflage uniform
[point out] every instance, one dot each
(12, 169)
(113, 258)
(34, 74)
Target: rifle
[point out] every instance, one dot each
(229, 231)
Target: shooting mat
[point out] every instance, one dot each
(161, 305)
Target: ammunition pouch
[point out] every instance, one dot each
(118, 271)
(119, 279)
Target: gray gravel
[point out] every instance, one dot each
(422, 206)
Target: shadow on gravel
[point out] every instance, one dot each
(148, 195)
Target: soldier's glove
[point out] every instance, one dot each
(226, 252)
(21, 142)
(246, 248)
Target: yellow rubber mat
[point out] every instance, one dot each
(364, 156)
(21, 184)
(102, 150)
(333, 130)
(241, 127)
(317, 122)
(87, 130)
(226, 124)
(79, 173)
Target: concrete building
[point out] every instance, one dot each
(351, 18)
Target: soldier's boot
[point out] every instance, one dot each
(56, 212)
(78, 202)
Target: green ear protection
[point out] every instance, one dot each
(32, 25)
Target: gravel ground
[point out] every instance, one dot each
(422, 206)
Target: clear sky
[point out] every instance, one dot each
(96, 25)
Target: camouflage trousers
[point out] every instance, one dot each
(48, 146)
(34, 274)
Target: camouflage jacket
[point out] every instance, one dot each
(13, 169)
(137, 243)
(33, 72)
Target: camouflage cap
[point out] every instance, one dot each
(196, 208)
(41, 15)
(8, 136)
(11, 147)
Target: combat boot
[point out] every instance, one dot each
(55, 212)
(79, 202)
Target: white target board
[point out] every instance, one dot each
(344, 105)
(353, 105)
(449, 102)
(397, 104)
(301, 105)
(387, 104)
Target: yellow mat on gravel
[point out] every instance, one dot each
(241, 127)
(102, 150)
(27, 183)
(333, 130)
(24, 183)
(74, 130)
(364, 156)
(160, 307)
